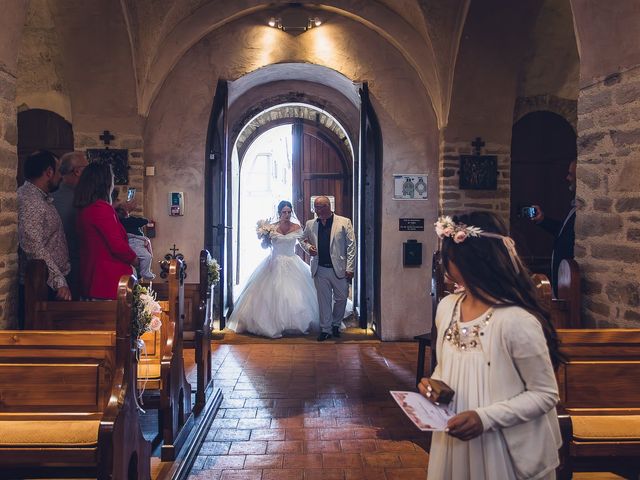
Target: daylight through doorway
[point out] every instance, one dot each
(265, 179)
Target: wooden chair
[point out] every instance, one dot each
(600, 400)
(203, 332)
(67, 401)
(161, 372)
(438, 291)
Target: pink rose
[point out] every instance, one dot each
(155, 324)
(460, 236)
(447, 231)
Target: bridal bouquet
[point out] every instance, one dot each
(265, 229)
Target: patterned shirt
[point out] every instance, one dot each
(41, 235)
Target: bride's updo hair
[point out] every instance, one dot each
(282, 204)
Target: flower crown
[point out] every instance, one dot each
(458, 232)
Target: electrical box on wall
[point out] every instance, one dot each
(412, 253)
(176, 204)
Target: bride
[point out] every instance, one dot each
(279, 297)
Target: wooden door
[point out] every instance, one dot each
(41, 130)
(542, 146)
(320, 167)
(217, 203)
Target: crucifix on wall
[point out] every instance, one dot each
(478, 172)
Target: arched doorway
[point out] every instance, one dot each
(542, 146)
(41, 130)
(291, 159)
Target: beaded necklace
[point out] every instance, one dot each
(465, 338)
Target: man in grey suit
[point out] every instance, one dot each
(330, 241)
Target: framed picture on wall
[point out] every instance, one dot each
(478, 172)
(118, 158)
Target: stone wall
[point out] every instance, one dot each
(608, 193)
(8, 204)
(134, 144)
(453, 200)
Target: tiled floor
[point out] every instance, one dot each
(313, 411)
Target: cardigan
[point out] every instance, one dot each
(522, 384)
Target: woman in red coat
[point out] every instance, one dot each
(105, 254)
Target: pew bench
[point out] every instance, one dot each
(600, 401)
(160, 371)
(67, 402)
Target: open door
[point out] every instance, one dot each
(368, 226)
(216, 211)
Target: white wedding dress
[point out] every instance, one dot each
(279, 297)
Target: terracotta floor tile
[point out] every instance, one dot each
(241, 475)
(341, 460)
(263, 461)
(215, 448)
(224, 462)
(268, 434)
(287, 446)
(395, 446)
(381, 460)
(248, 448)
(308, 460)
(205, 475)
(365, 474)
(417, 459)
(232, 435)
(302, 434)
(358, 446)
(406, 473)
(283, 474)
(324, 474)
(322, 446)
(253, 423)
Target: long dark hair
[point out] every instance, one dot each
(489, 273)
(95, 183)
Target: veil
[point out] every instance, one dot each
(294, 217)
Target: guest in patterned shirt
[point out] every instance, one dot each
(40, 231)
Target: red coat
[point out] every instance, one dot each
(105, 254)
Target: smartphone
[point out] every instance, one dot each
(131, 194)
(528, 212)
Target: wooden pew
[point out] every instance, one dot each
(166, 387)
(203, 332)
(200, 323)
(600, 399)
(565, 309)
(67, 402)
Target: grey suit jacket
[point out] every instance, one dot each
(342, 247)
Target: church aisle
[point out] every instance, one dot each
(313, 412)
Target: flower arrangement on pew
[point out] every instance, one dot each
(213, 272)
(146, 312)
(265, 229)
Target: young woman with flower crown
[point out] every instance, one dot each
(496, 349)
(279, 297)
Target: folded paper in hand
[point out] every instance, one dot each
(424, 414)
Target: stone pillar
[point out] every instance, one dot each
(453, 200)
(11, 23)
(608, 194)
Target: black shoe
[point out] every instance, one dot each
(335, 331)
(323, 336)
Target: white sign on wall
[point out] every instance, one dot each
(410, 186)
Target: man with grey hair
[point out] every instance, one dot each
(71, 166)
(330, 241)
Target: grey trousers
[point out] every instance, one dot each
(330, 289)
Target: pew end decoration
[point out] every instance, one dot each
(213, 272)
(146, 311)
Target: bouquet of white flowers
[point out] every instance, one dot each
(146, 311)
(265, 230)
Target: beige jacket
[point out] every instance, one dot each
(523, 387)
(342, 247)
